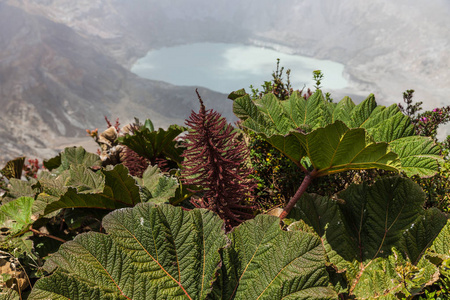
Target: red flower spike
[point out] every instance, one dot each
(214, 159)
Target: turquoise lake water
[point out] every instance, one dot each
(229, 67)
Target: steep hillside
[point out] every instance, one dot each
(65, 64)
(55, 83)
(386, 46)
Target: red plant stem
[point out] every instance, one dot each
(47, 235)
(298, 194)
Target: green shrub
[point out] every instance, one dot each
(112, 235)
(437, 187)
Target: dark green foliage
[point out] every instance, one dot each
(276, 175)
(437, 188)
(411, 109)
(165, 252)
(318, 77)
(72, 157)
(370, 240)
(371, 228)
(38, 214)
(154, 145)
(13, 168)
(376, 217)
(276, 86)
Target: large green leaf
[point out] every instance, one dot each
(384, 215)
(393, 277)
(16, 215)
(336, 148)
(271, 116)
(153, 144)
(156, 187)
(388, 124)
(165, 252)
(120, 190)
(52, 186)
(313, 112)
(9, 294)
(418, 155)
(361, 112)
(149, 253)
(325, 216)
(360, 230)
(422, 234)
(343, 110)
(55, 185)
(85, 180)
(19, 188)
(279, 121)
(440, 249)
(73, 156)
(378, 215)
(265, 262)
(80, 187)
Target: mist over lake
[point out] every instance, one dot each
(228, 67)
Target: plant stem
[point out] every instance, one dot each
(47, 235)
(298, 194)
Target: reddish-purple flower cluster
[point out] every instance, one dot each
(135, 163)
(214, 160)
(428, 122)
(32, 168)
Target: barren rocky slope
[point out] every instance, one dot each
(64, 64)
(54, 83)
(386, 46)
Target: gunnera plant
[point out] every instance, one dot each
(215, 160)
